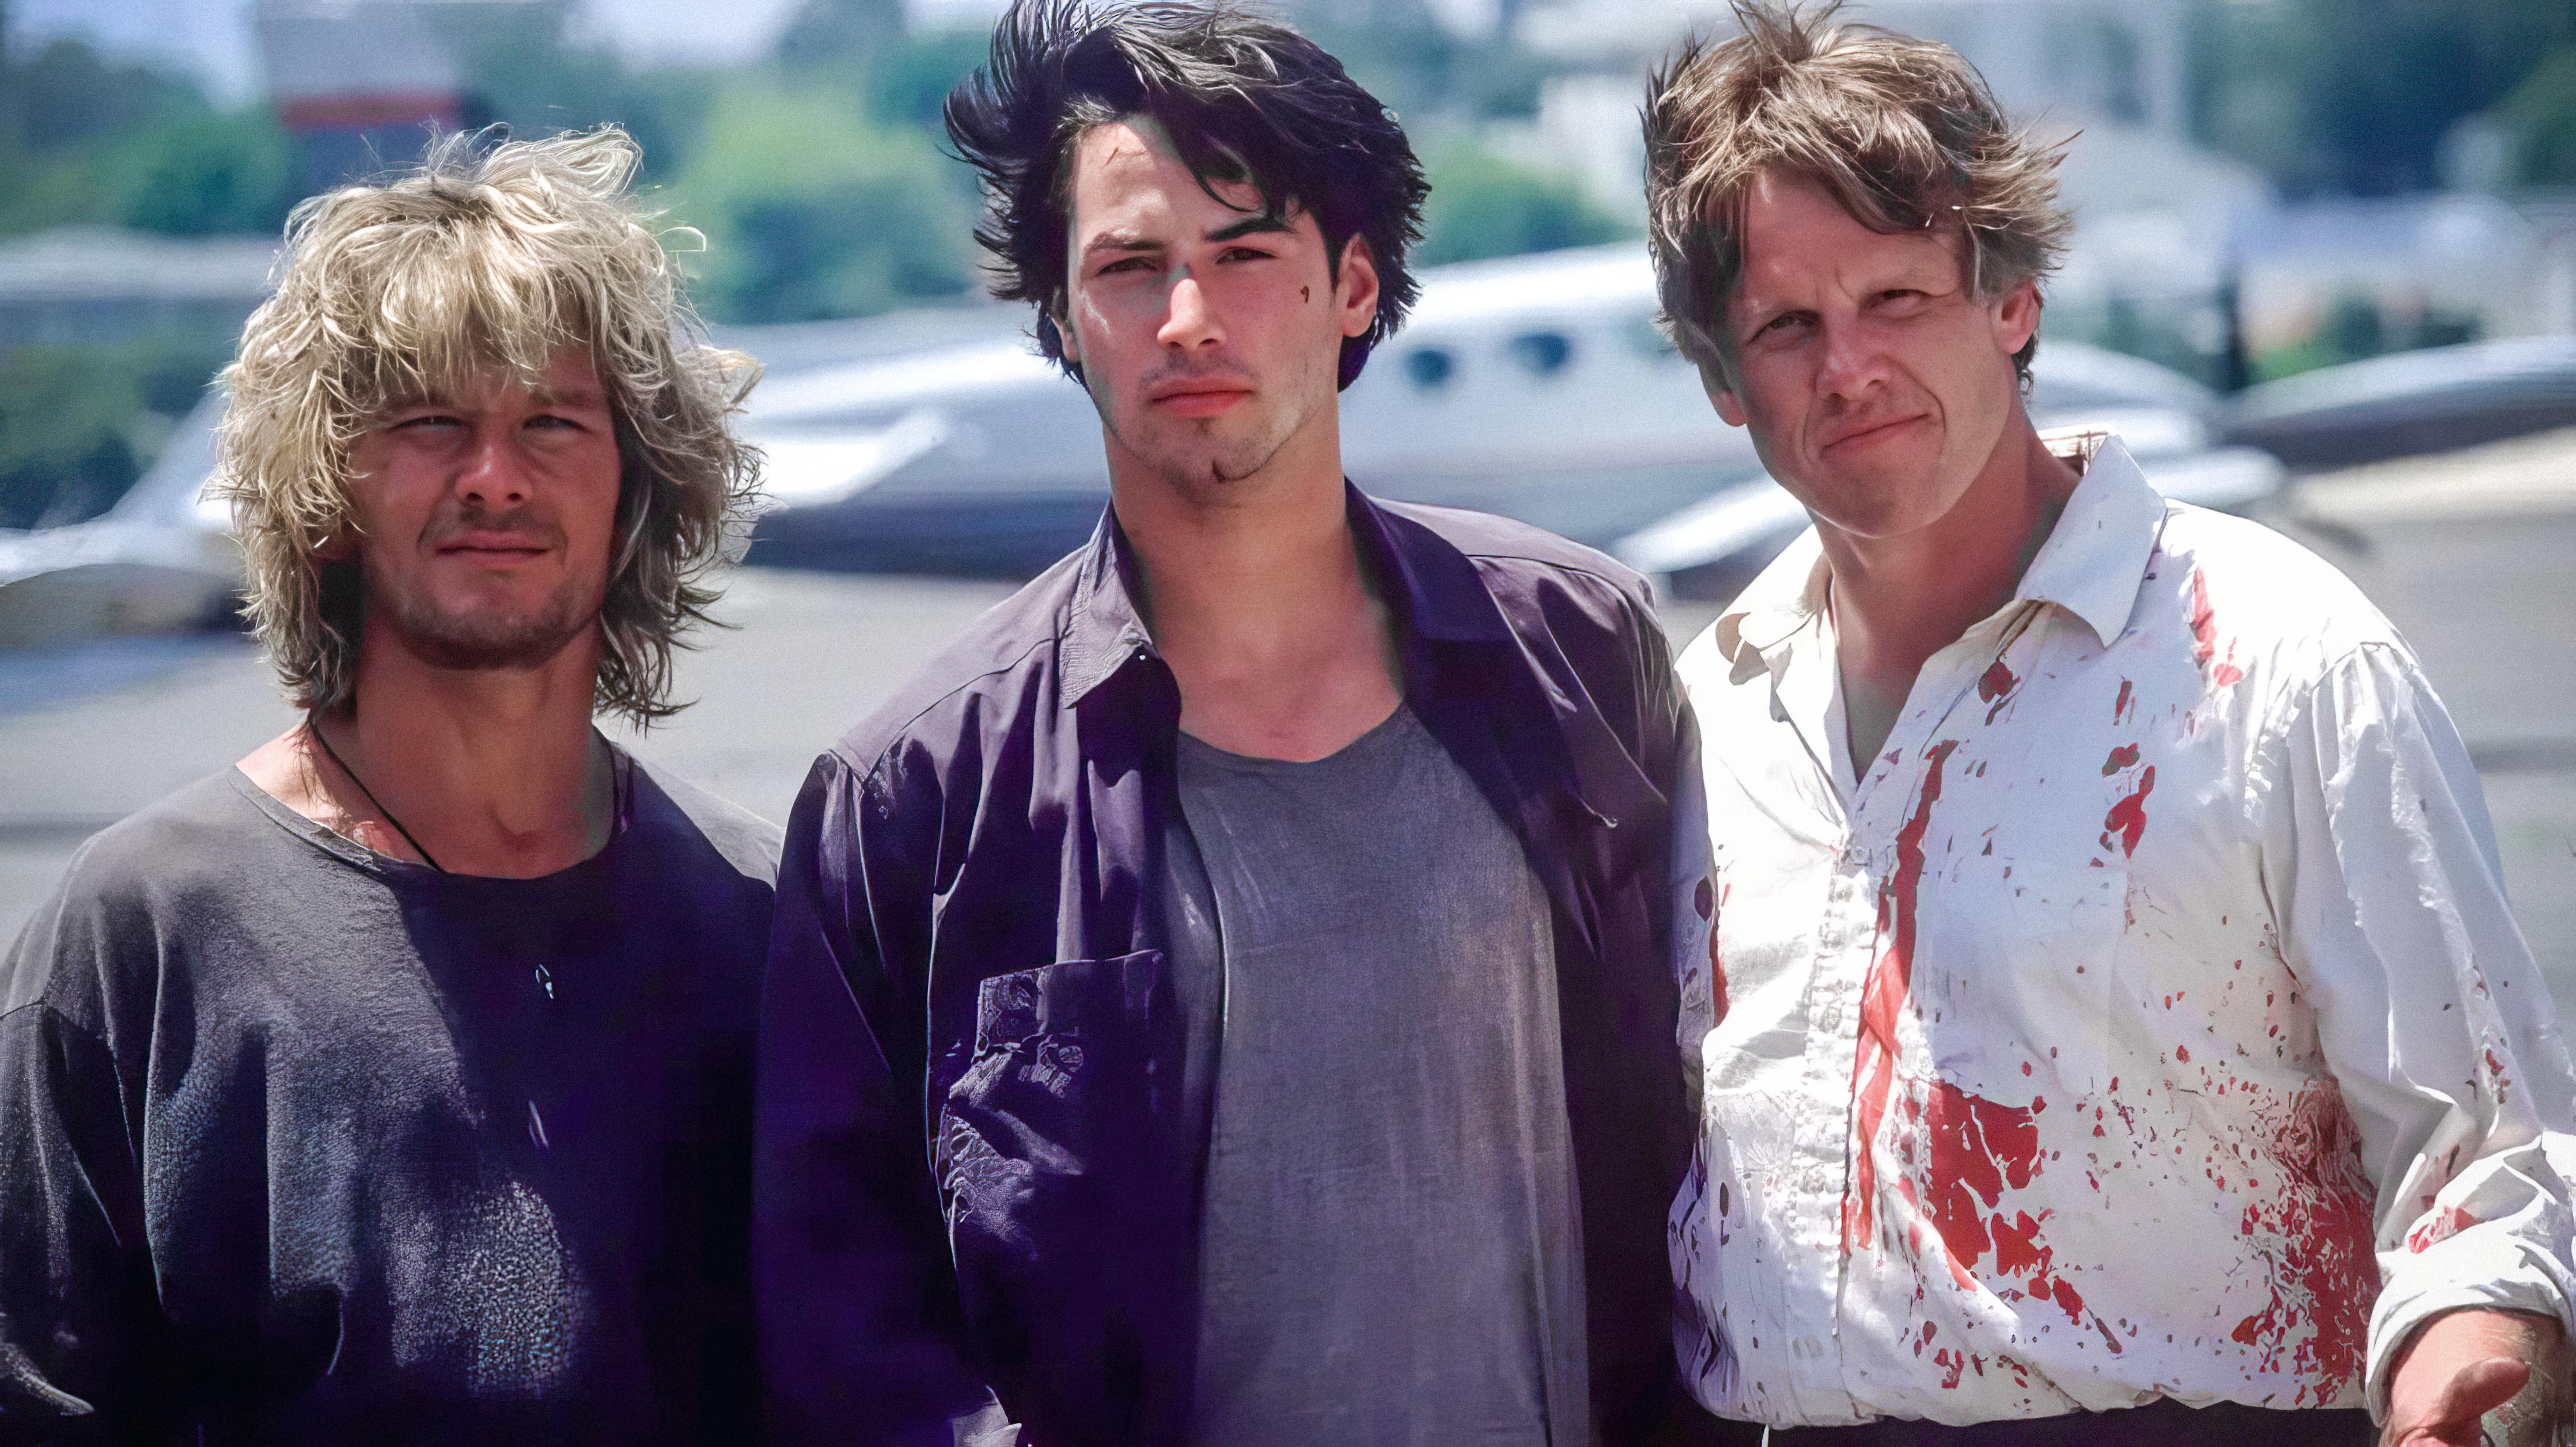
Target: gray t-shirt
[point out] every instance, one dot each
(303, 1145)
(1390, 1249)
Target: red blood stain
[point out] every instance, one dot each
(2123, 757)
(2128, 818)
(1716, 978)
(2183, 1054)
(1882, 999)
(2499, 1084)
(1705, 901)
(1975, 1148)
(2120, 705)
(2314, 1234)
(2440, 1229)
(1996, 687)
(2204, 636)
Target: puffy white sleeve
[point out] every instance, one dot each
(2386, 890)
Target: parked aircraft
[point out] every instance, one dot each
(2433, 400)
(1537, 387)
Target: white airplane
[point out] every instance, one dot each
(1536, 387)
(160, 560)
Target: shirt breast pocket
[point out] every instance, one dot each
(1058, 1086)
(2033, 984)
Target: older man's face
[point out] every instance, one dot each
(487, 521)
(1874, 380)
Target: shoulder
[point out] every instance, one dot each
(134, 886)
(1001, 658)
(2244, 596)
(747, 843)
(1519, 562)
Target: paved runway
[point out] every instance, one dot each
(2484, 588)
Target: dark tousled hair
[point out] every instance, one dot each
(1246, 100)
(1903, 132)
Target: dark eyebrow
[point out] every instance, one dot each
(1120, 241)
(1250, 226)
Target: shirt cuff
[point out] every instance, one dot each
(2483, 1267)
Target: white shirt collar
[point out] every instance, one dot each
(2092, 565)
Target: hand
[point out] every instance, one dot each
(2462, 1365)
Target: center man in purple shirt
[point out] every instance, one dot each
(1223, 999)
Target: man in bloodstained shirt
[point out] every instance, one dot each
(2110, 1022)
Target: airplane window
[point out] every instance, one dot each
(1542, 353)
(1429, 367)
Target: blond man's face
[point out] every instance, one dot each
(486, 521)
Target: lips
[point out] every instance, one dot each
(493, 547)
(1198, 396)
(1872, 432)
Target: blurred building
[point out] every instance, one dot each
(2058, 64)
(361, 84)
(103, 284)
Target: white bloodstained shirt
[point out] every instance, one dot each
(2146, 1020)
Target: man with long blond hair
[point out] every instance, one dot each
(2112, 1026)
(393, 1084)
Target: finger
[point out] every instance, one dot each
(2471, 1393)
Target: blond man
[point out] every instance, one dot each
(392, 1085)
(2111, 1025)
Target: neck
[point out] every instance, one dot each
(492, 771)
(1255, 595)
(1899, 600)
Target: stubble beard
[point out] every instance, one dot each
(1192, 458)
(470, 642)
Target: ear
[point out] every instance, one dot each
(1061, 321)
(1721, 393)
(2016, 314)
(1355, 287)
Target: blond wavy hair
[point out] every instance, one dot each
(483, 260)
(1903, 132)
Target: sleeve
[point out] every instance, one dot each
(2433, 1017)
(78, 1315)
(861, 1335)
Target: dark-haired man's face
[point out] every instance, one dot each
(486, 520)
(1210, 337)
(1875, 381)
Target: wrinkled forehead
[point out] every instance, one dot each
(1792, 235)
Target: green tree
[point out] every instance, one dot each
(812, 210)
(201, 174)
(1483, 205)
(2356, 95)
(541, 87)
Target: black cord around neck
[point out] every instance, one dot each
(313, 726)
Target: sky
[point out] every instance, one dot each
(211, 39)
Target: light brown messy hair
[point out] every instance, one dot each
(485, 260)
(1903, 132)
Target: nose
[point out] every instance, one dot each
(1189, 322)
(1850, 362)
(491, 474)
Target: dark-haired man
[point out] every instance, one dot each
(2113, 1028)
(1219, 1000)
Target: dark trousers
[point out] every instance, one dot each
(2161, 1423)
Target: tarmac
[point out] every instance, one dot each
(2472, 554)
